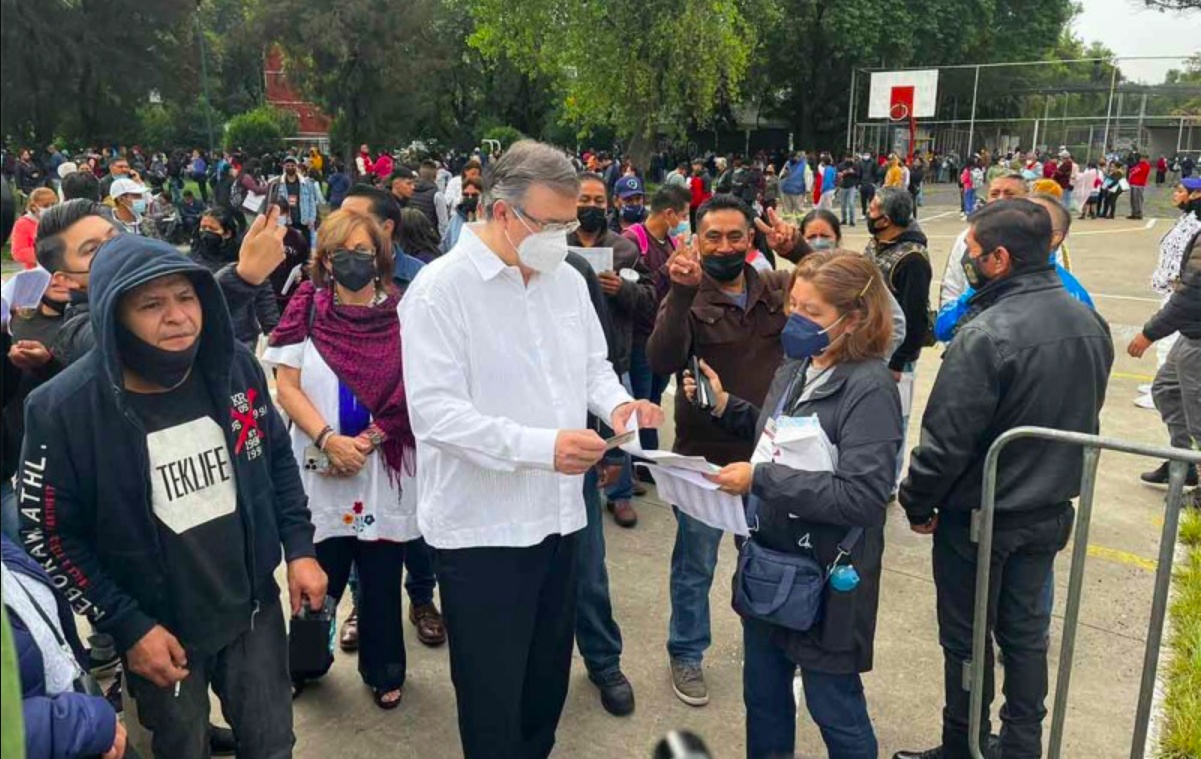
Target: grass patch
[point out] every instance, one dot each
(1181, 737)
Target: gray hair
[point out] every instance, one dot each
(523, 165)
(897, 204)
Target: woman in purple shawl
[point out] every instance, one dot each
(338, 371)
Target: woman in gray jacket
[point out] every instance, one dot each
(835, 341)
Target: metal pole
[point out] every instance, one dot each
(1046, 119)
(1065, 119)
(1089, 157)
(204, 80)
(1034, 142)
(851, 110)
(971, 130)
(1180, 135)
(1113, 83)
(1071, 615)
(1177, 471)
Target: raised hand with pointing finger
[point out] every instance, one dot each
(262, 248)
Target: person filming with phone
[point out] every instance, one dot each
(834, 343)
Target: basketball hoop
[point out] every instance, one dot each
(898, 112)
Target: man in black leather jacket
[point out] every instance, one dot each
(1029, 354)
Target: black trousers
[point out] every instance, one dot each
(867, 191)
(249, 676)
(1022, 559)
(510, 619)
(381, 629)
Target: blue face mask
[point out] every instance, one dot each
(139, 206)
(804, 338)
(632, 214)
(683, 228)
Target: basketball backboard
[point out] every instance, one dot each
(903, 94)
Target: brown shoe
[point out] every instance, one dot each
(623, 513)
(428, 621)
(349, 641)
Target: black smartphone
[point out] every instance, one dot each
(704, 391)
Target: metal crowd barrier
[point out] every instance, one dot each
(982, 533)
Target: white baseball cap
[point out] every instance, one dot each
(69, 167)
(126, 186)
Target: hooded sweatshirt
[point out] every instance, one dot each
(93, 477)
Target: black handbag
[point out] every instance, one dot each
(311, 642)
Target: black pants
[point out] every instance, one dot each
(1022, 559)
(867, 191)
(381, 630)
(202, 184)
(249, 676)
(510, 619)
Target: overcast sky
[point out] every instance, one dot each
(1128, 28)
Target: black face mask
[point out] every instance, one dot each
(353, 270)
(469, 203)
(724, 268)
(877, 224)
(53, 305)
(591, 218)
(164, 368)
(209, 241)
(632, 214)
(973, 270)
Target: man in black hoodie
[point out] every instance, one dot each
(157, 486)
(898, 247)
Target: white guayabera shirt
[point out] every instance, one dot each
(494, 369)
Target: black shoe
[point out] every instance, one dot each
(992, 750)
(1160, 476)
(113, 694)
(933, 753)
(221, 741)
(617, 695)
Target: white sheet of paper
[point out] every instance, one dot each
(25, 289)
(805, 448)
(293, 279)
(700, 499)
(601, 259)
(253, 202)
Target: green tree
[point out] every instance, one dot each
(259, 131)
(639, 66)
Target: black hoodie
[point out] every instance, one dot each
(85, 488)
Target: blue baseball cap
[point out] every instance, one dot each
(628, 187)
(1192, 184)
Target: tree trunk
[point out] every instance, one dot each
(641, 147)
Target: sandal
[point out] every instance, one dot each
(349, 640)
(380, 698)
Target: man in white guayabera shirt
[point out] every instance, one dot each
(503, 360)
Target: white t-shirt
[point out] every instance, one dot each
(368, 506)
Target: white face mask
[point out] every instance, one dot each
(541, 251)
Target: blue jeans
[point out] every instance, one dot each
(623, 489)
(10, 520)
(596, 632)
(693, 561)
(849, 198)
(646, 386)
(835, 702)
(1067, 199)
(969, 201)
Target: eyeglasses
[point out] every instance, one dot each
(566, 227)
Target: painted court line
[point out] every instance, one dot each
(1121, 557)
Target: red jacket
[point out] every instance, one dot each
(25, 232)
(699, 196)
(1049, 167)
(1139, 173)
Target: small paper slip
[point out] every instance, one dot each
(253, 202)
(293, 279)
(601, 259)
(905, 388)
(26, 288)
(700, 499)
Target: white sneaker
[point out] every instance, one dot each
(1144, 389)
(1144, 401)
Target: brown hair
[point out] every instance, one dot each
(852, 284)
(39, 192)
(335, 231)
(475, 182)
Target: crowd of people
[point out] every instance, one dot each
(445, 378)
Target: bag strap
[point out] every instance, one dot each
(643, 242)
(783, 589)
